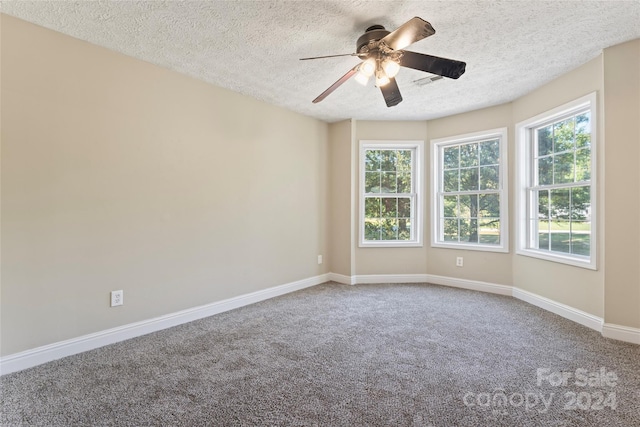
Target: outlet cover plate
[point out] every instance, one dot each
(117, 298)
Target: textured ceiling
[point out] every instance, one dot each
(253, 47)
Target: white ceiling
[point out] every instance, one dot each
(253, 47)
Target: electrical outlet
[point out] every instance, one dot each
(319, 259)
(459, 261)
(117, 298)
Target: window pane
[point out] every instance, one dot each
(469, 155)
(450, 230)
(583, 130)
(404, 229)
(469, 230)
(404, 207)
(543, 235)
(563, 168)
(545, 171)
(372, 182)
(563, 138)
(468, 179)
(583, 164)
(581, 238)
(489, 206)
(473, 230)
(489, 179)
(372, 229)
(388, 160)
(450, 157)
(560, 236)
(489, 231)
(388, 183)
(450, 180)
(389, 229)
(543, 204)
(403, 159)
(580, 203)
(404, 183)
(372, 207)
(474, 205)
(450, 206)
(545, 143)
(389, 207)
(464, 230)
(490, 152)
(560, 204)
(372, 160)
(467, 208)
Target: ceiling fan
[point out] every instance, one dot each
(382, 56)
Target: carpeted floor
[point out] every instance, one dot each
(337, 355)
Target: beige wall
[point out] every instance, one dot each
(622, 184)
(491, 267)
(339, 256)
(117, 174)
(577, 287)
(617, 91)
(387, 260)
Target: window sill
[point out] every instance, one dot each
(558, 258)
(470, 247)
(390, 244)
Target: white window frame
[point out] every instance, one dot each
(524, 177)
(417, 195)
(437, 230)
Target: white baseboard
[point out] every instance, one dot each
(473, 285)
(618, 332)
(341, 278)
(578, 316)
(621, 333)
(389, 278)
(29, 358)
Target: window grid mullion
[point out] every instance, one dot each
(389, 161)
(470, 173)
(533, 189)
(470, 193)
(562, 186)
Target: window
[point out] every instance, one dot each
(390, 193)
(469, 208)
(556, 200)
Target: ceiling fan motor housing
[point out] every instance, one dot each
(374, 32)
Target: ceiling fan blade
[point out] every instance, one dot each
(330, 56)
(433, 64)
(391, 93)
(337, 84)
(410, 32)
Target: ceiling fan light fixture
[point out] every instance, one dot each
(362, 78)
(390, 67)
(381, 78)
(368, 67)
(382, 54)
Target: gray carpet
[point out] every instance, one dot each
(337, 355)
